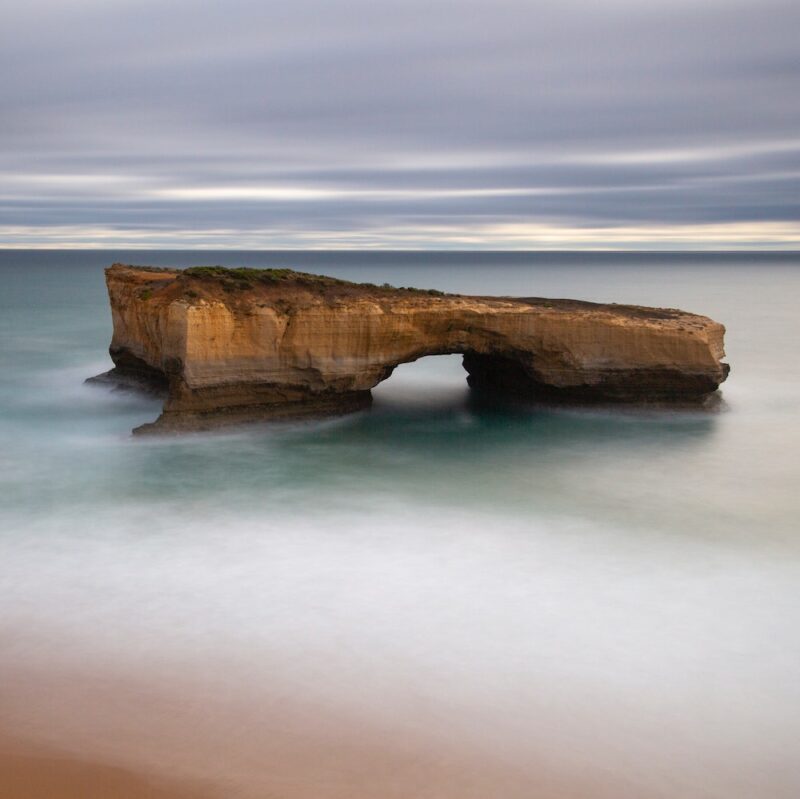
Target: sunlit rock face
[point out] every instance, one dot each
(230, 346)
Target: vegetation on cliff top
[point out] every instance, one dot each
(242, 278)
(234, 279)
(250, 276)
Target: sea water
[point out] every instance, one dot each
(432, 598)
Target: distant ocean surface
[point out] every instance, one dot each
(428, 599)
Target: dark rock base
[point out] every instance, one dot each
(321, 406)
(505, 377)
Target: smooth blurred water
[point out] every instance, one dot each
(481, 601)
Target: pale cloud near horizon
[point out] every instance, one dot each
(441, 124)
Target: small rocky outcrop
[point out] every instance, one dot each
(235, 345)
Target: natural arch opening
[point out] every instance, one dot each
(429, 381)
(492, 375)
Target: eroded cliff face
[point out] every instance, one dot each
(236, 345)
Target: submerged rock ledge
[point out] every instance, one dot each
(236, 345)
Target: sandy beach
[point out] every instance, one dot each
(29, 771)
(71, 736)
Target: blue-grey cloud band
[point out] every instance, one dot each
(329, 123)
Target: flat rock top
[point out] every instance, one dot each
(242, 287)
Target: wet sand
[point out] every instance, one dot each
(32, 772)
(70, 736)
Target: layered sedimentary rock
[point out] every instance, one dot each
(237, 345)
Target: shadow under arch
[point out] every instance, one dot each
(429, 400)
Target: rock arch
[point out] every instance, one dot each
(238, 345)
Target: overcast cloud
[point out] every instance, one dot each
(323, 123)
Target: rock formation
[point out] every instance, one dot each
(231, 345)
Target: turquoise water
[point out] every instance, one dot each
(557, 602)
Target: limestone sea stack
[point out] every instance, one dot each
(236, 345)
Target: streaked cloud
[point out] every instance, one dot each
(512, 236)
(436, 124)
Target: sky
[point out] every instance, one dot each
(443, 124)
